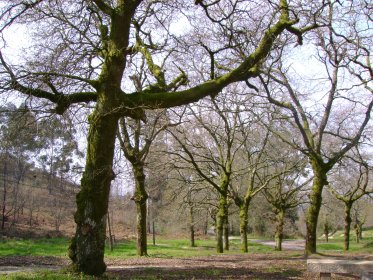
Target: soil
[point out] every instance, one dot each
(252, 266)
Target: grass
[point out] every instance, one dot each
(164, 248)
(171, 248)
(336, 243)
(34, 247)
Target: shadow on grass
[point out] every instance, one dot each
(154, 273)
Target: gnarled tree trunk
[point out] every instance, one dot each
(347, 226)
(87, 247)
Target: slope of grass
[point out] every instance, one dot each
(34, 247)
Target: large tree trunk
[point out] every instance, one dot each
(140, 197)
(220, 219)
(87, 247)
(313, 211)
(243, 227)
(347, 226)
(279, 230)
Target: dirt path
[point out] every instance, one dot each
(253, 266)
(279, 266)
(294, 245)
(12, 264)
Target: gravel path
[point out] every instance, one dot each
(295, 245)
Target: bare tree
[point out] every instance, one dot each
(212, 150)
(326, 133)
(349, 185)
(135, 141)
(80, 53)
(285, 194)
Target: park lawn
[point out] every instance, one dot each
(164, 248)
(173, 248)
(336, 243)
(34, 247)
(167, 248)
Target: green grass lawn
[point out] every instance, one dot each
(34, 247)
(168, 248)
(164, 248)
(336, 243)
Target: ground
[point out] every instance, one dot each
(252, 266)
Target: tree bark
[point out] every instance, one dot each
(313, 211)
(191, 227)
(226, 230)
(243, 227)
(220, 219)
(140, 197)
(347, 227)
(87, 247)
(111, 245)
(279, 230)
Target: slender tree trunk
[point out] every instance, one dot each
(31, 205)
(279, 230)
(243, 226)
(313, 211)
(191, 226)
(206, 225)
(110, 234)
(153, 232)
(15, 202)
(347, 228)
(220, 219)
(87, 247)
(140, 197)
(5, 173)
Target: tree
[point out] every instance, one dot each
(135, 137)
(80, 53)
(18, 139)
(284, 195)
(135, 141)
(350, 185)
(211, 152)
(254, 177)
(326, 133)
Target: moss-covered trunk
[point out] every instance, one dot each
(319, 181)
(347, 226)
(220, 220)
(226, 230)
(87, 247)
(279, 235)
(243, 227)
(140, 197)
